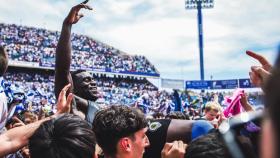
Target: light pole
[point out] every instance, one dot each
(200, 4)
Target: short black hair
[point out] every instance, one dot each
(114, 123)
(177, 115)
(67, 136)
(3, 61)
(157, 115)
(74, 73)
(210, 146)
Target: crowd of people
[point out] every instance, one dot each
(38, 45)
(210, 125)
(38, 89)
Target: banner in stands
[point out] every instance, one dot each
(174, 84)
(245, 83)
(219, 84)
(198, 84)
(224, 84)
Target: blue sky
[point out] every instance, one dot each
(165, 32)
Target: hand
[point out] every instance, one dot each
(73, 17)
(221, 118)
(175, 149)
(259, 74)
(245, 104)
(18, 122)
(63, 105)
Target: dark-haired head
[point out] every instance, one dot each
(114, 123)
(67, 136)
(210, 146)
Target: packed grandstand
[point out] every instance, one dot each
(121, 78)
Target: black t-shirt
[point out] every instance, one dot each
(157, 136)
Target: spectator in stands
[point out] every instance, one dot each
(82, 83)
(67, 136)
(3, 98)
(121, 132)
(177, 115)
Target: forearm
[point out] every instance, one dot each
(63, 50)
(16, 138)
(248, 107)
(63, 59)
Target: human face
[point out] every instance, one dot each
(85, 86)
(211, 115)
(141, 141)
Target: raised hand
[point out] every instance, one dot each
(259, 74)
(73, 17)
(64, 105)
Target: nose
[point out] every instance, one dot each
(93, 83)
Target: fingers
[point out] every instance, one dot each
(258, 57)
(263, 73)
(68, 102)
(17, 120)
(65, 88)
(63, 91)
(167, 147)
(84, 2)
(178, 148)
(266, 65)
(82, 5)
(18, 125)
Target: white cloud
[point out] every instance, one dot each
(165, 32)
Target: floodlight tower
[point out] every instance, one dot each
(200, 4)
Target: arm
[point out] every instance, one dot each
(63, 50)
(17, 138)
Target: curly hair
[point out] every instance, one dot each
(114, 123)
(67, 136)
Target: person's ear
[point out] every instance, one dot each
(125, 144)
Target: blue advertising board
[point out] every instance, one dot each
(215, 84)
(198, 84)
(224, 84)
(245, 83)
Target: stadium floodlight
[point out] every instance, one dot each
(194, 4)
(200, 4)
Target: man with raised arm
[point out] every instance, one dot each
(82, 84)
